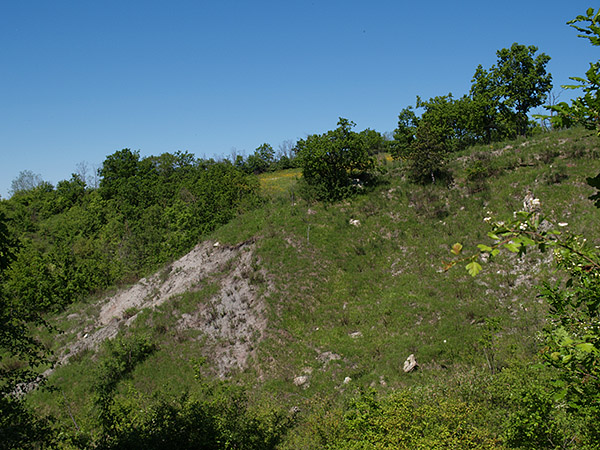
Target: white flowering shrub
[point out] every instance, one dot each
(572, 333)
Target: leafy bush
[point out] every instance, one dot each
(218, 416)
(425, 142)
(427, 156)
(120, 358)
(22, 357)
(331, 161)
(403, 421)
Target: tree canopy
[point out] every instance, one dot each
(331, 161)
(510, 89)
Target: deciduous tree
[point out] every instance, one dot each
(25, 181)
(486, 103)
(22, 356)
(523, 82)
(261, 160)
(511, 88)
(423, 142)
(331, 160)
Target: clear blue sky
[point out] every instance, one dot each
(82, 79)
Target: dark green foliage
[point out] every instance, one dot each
(23, 357)
(69, 193)
(264, 159)
(331, 161)
(261, 160)
(521, 400)
(452, 120)
(8, 244)
(522, 82)
(74, 241)
(595, 183)
(120, 174)
(533, 424)
(146, 210)
(219, 419)
(572, 337)
(218, 416)
(584, 110)
(375, 142)
(20, 427)
(497, 107)
(445, 126)
(423, 143)
(506, 92)
(427, 156)
(121, 355)
(120, 358)
(404, 134)
(486, 100)
(284, 162)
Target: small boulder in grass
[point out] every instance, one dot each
(355, 222)
(301, 381)
(410, 364)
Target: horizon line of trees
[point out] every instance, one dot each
(496, 108)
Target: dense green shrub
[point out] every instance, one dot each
(427, 155)
(332, 162)
(404, 421)
(146, 211)
(217, 416)
(22, 357)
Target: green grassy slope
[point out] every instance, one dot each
(347, 304)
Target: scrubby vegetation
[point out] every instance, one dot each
(339, 263)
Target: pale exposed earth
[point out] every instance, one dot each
(231, 322)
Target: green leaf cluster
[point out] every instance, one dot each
(504, 94)
(22, 356)
(218, 415)
(585, 109)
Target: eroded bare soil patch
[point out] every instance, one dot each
(232, 321)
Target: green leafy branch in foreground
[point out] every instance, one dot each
(520, 234)
(584, 110)
(572, 333)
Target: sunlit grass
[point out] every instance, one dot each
(355, 301)
(280, 181)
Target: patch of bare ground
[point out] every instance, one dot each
(232, 321)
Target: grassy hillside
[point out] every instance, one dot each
(342, 293)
